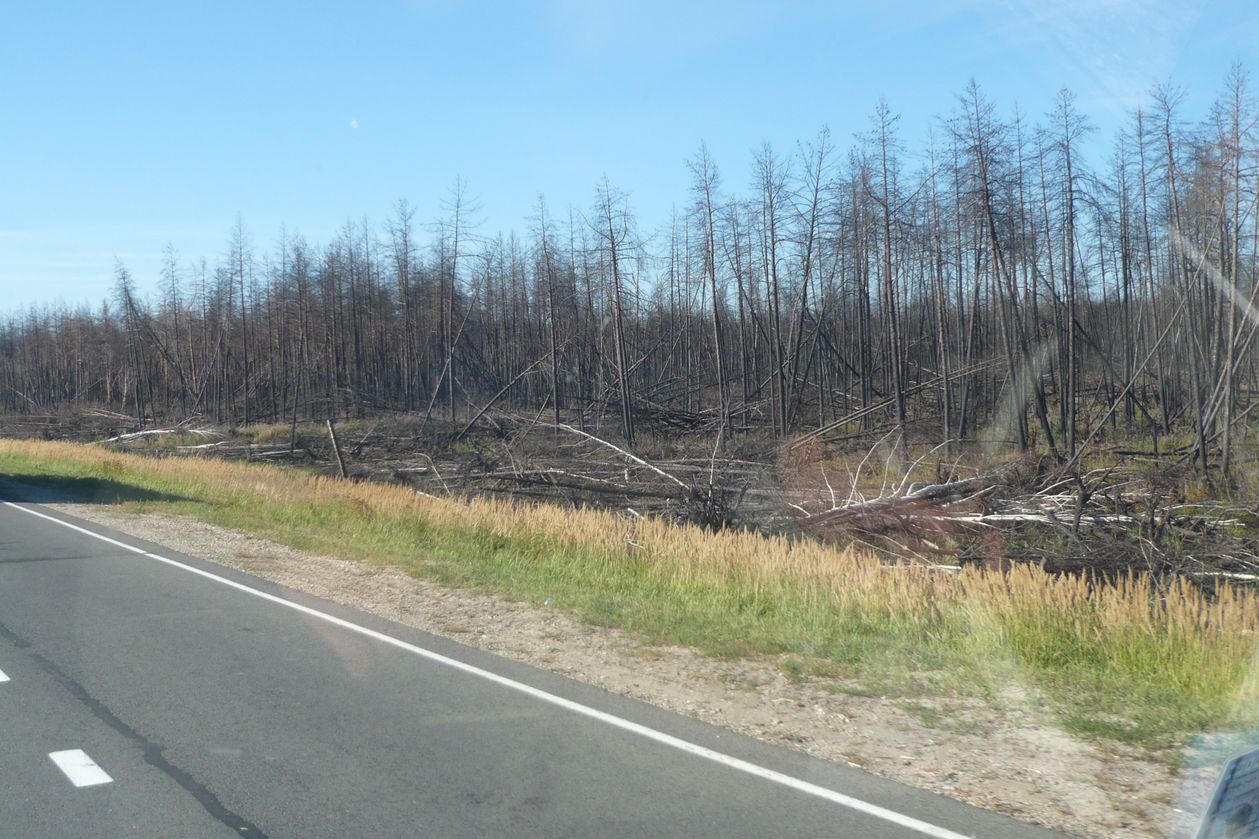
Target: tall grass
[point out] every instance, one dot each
(1126, 660)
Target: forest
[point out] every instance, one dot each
(996, 284)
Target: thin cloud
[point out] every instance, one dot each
(1121, 46)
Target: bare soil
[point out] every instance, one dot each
(1010, 756)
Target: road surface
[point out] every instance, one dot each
(147, 693)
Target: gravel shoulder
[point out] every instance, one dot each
(1011, 758)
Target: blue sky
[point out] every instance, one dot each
(127, 125)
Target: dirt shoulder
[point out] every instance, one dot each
(1012, 759)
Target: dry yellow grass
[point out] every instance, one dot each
(1125, 659)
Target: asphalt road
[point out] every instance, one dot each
(191, 700)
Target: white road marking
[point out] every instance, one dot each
(79, 768)
(738, 764)
(3, 677)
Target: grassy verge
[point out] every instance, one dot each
(1119, 661)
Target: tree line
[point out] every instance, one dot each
(992, 283)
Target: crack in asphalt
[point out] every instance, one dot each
(153, 752)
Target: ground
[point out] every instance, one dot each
(1008, 756)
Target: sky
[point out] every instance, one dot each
(130, 125)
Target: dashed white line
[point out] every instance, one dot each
(79, 768)
(738, 764)
(3, 677)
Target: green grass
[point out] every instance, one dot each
(1124, 663)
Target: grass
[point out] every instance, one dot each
(1122, 661)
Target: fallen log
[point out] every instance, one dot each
(154, 432)
(897, 505)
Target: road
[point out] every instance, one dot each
(148, 693)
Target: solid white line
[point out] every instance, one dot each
(661, 737)
(79, 768)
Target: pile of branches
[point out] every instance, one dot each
(583, 468)
(74, 424)
(1059, 517)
